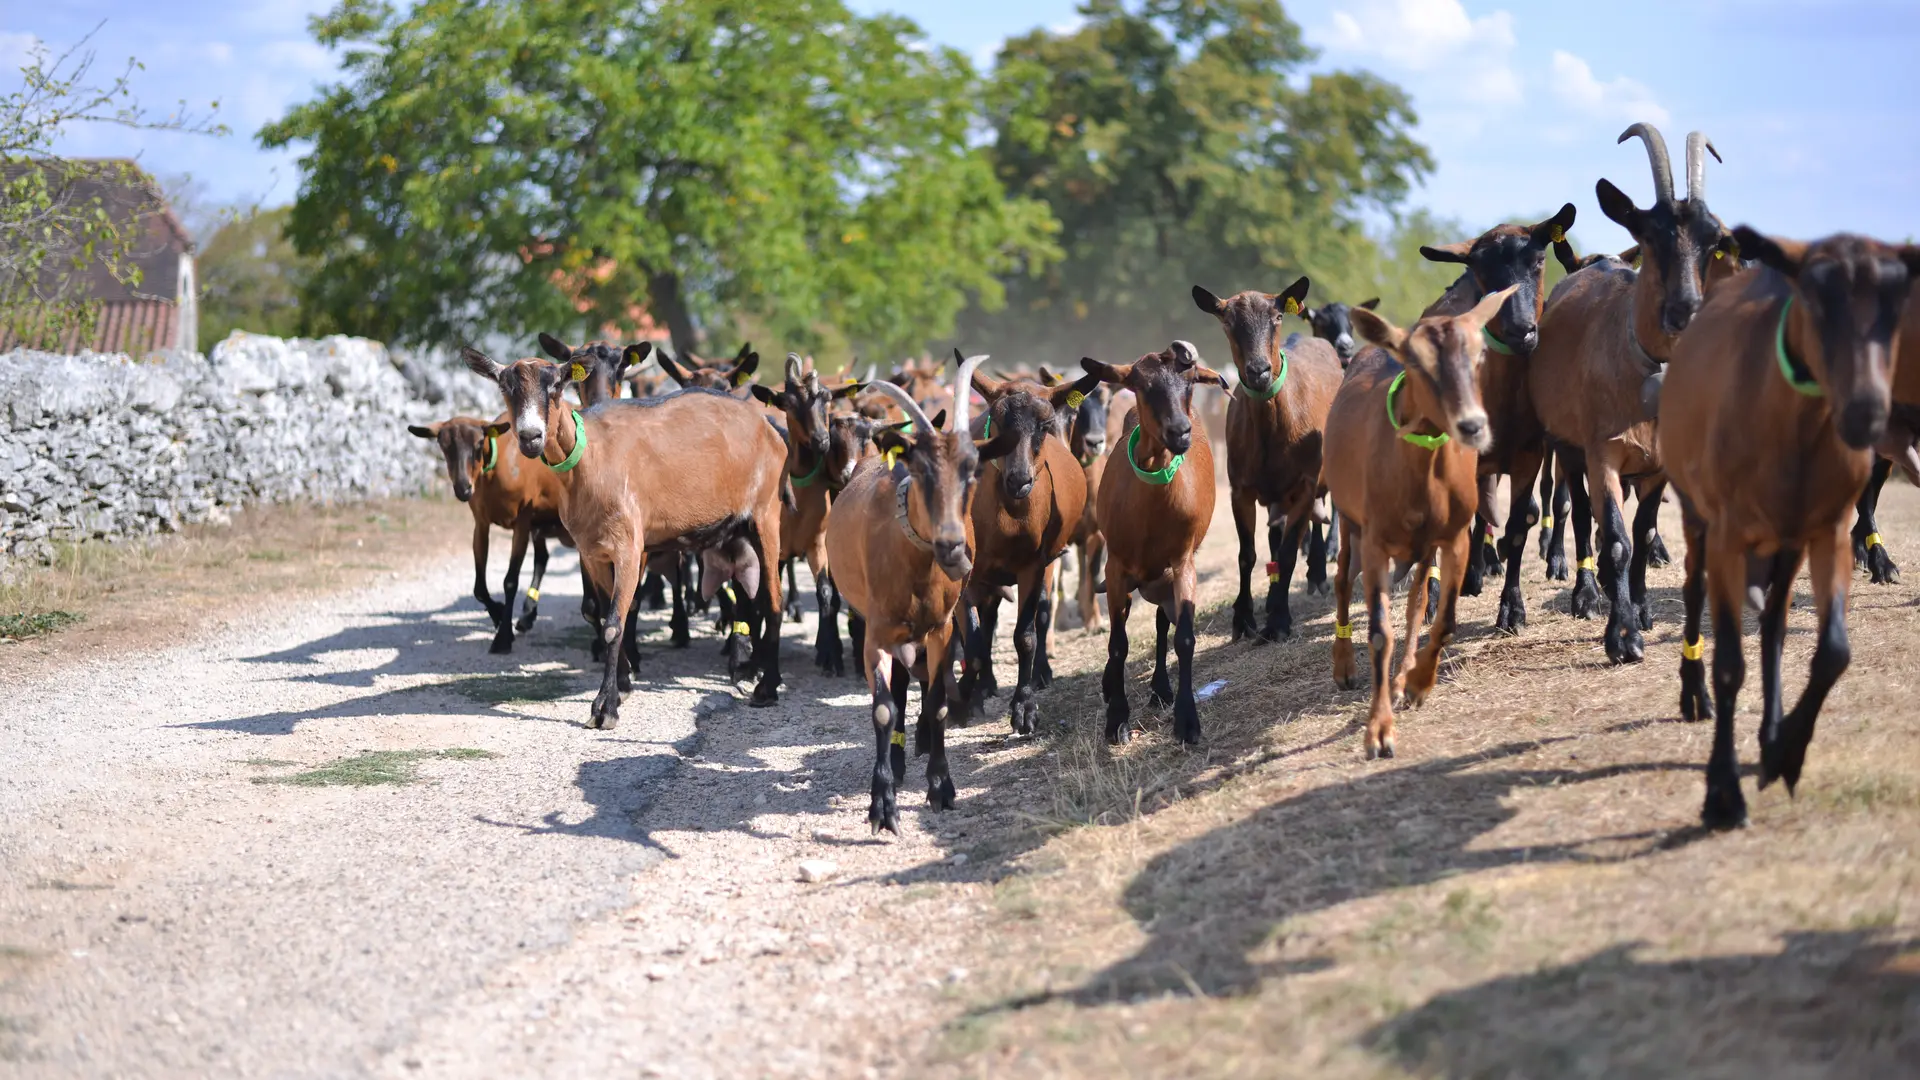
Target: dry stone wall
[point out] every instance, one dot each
(103, 446)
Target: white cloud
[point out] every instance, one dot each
(1438, 37)
(16, 50)
(1620, 98)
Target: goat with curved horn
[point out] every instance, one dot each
(1656, 157)
(963, 390)
(905, 400)
(793, 367)
(1697, 164)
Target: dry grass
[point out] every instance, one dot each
(1523, 892)
(117, 595)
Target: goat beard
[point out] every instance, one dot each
(732, 561)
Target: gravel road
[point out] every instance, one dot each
(582, 903)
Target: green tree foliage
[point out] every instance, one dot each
(1179, 142)
(251, 278)
(57, 230)
(525, 165)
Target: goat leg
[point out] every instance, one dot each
(618, 594)
(1646, 517)
(503, 626)
(827, 652)
(1428, 569)
(1160, 687)
(1373, 575)
(1426, 672)
(680, 635)
(1243, 517)
(1873, 556)
(1773, 634)
(1512, 616)
(1622, 640)
(1043, 628)
(1586, 589)
(1186, 711)
(1478, 530)
(970, 701)
(1113, 681)
(530, 609)
(1725, 806)
(883, 811)
(1344, 674)
(1696, 703)
(1283, 540)
(766, 612)
(482, 536)
(793, 589)
(930, 733)
(1832, 578)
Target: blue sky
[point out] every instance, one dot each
(1815, 104)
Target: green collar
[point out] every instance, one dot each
(1495, 343)
(807, 480)
(493, 453)
(579, 445)
(1273, 391)
(1796, 375)
(1158, 476)
(1424, 442)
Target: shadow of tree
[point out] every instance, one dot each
(1828, 1004)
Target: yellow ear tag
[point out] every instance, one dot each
(578, 372)
(1074, 399)
(891, 457)
(1559, 235)
(1293, 306)
(1719, 254)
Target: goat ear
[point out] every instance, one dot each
(746, 350)
(1369, 304)
(1293, 298)
(1446, 253)
(1784, 256)
(940, 420)
(739, 375)
(495, 430)
(480, 363)
(1050, 377)
(555, 348)
(1207, 302)
(423, 431)
(850, 389)
(888, 439)
(635, 355)
(764, 394)
(673, 369)
(999, 446)
(1554, 229)
(1563, 254)
(1108, 373)
(1378, 330)
(1062, 394)
(1618, 208)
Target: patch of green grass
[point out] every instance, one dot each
(268, 555)
(1469, 917)
(375, 767)
(269, 763)
(32, 624)
(517, 689)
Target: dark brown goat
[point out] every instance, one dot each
(900, 541)
(1092, 428)
(1607, 330)
(811, 470)
(1332, 323)
(696, 469)
(1404, 438)
(1503, 256)
(1777, 393)
(1154, 514)
(501, 490)
(1032, 497)
(1274, 424)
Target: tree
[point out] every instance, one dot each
(59, 227)
(513, 166)
(1177, 145)
(251, 279)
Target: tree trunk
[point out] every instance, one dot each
(664, 293)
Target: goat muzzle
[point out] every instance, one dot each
(1473, 432)
(1863, 421)
(954, 558)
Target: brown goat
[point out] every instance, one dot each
(715, 376)
(900, 541)
(695, 469)
(1274, 423)
(1506, 255)
(1154, 515)
(1032, 498)
(1606, 332)
(1777, 393)
(805, 405)
(500, 490)
(1093, 426)
(1404, 439)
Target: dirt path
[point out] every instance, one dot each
(580, 901)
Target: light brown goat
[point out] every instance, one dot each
(1274, 423)
(1032, 497)
(900, 541)
(507, 491)
(695, 469)
(1778, 392)
(1404, 439)
(1154, 514)
(1607, 330)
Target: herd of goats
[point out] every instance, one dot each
(1755, 375)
